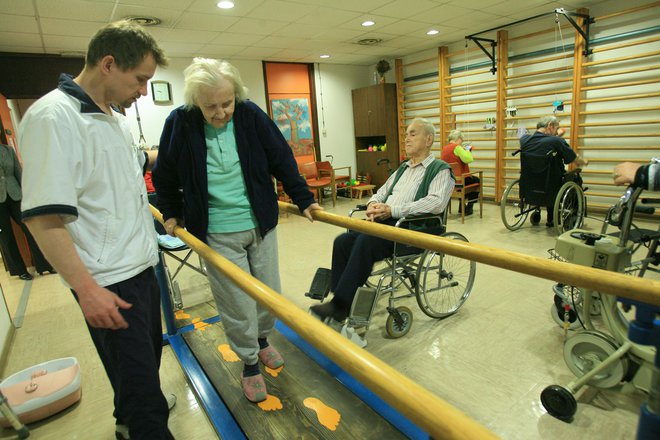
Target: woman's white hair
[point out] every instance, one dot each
(454, 135)
(210, 73)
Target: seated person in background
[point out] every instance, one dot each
(545, 139)
(461, 154)
(421, 185)
(640, 176)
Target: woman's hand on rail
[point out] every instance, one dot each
(308, 212)
(170, 223)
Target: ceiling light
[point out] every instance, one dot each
(225, 4)
(433, 32)
(324, 56)
(144, 20)
(368, 23)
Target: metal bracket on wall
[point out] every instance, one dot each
(491, 55)
(587, 21)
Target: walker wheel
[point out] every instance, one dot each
(559, 402)
(398, 322)
(535, 218)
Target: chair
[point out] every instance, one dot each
(461, 190)
(321, 175)
(440, 283)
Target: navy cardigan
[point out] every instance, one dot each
(262, 150)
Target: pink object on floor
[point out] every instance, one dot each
(254, 388)
(271, 357)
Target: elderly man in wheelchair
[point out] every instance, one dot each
(544, 181)
(421, 185)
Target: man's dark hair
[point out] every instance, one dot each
(127, 42)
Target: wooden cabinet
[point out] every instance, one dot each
(375, 121)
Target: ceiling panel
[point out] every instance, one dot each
(204, 22)
(74, 28)
(236, 39)
(75, 10)
(19, 23)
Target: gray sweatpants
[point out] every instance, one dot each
(243, 319)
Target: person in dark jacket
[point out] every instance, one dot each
(10, 207)
(223, 151)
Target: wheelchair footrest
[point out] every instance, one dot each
(363, 305)
(320, 284)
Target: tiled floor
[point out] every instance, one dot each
(491, 360)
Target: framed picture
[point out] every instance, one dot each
(161, 91)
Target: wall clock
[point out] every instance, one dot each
(161, 91)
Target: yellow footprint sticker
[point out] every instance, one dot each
(199, 324)
(328, 417)
(271, 403)
(274, 372)
(181, 314)
(227, 353)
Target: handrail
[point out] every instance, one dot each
(428, 411)
(613, 283)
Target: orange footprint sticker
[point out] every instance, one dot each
(271, 403)
(328, 417)
(274, 372)
(199, 324)
(227, 353)
(181, 314)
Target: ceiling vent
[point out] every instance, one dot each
(144, 21)
(369, 41)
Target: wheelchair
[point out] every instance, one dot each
(543, 183)
(603, 356)
(440, 283)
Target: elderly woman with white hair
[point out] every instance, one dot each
(222, 150)
(456, 152)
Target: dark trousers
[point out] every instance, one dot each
(12, 208)
(473, 196)
(353, 257)
(131, 358)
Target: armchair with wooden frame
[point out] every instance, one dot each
(461, 190)
(321, 175)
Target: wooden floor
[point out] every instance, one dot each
(491, 360)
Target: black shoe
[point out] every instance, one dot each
(329, 310)
(468, 209)
(550, 224)
(26, 276)
(47, 271)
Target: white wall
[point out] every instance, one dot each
(333, 95)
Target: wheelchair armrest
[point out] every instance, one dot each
(357, 208)
(419, 218)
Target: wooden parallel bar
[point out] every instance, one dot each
(466, 84)
(605, 48)
(628, 11)
(616, 160)
(443, 79)
(419, 83)
(467, 112)
(623, 97)
(500, 121)
(537, 33)
(621, 110)
(413, 401)
(623, 84)
(609, 147)
(414, 63)
(537, 94)
(539, 83)
(617, 135)
(617, 123)
(639, 289)
(424, 107)
(578, 92)
(472, 92)
(469, 73)
(471, 101)
(539, 72)
(462, 121)
(567, 102)
(626, 58)
(537, 116)
(623, 71)
(540, 60)
(419, 92)
(410, 101)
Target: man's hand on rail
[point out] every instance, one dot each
(170, 223)
(378, 211)
(624, 173)
(308, 212)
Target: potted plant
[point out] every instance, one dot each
(382, 67)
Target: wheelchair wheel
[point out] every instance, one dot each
(588, 349)
(399, 322)
(444, 281)
(535, 218)
(568, 212)
(513, 209)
